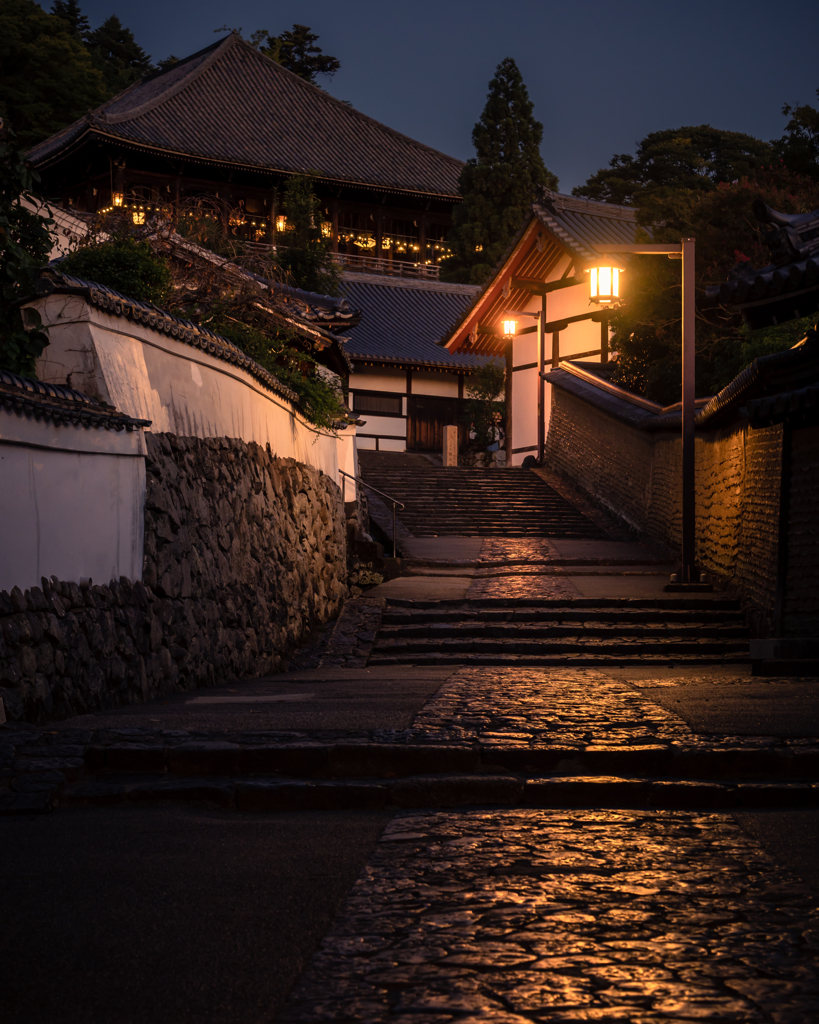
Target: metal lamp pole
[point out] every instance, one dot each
(685, 251)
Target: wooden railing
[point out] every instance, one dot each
(363, 264)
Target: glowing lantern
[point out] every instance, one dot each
(117, 199)
(510, 328)
(326, 229)
(281, 222)
(604, 285)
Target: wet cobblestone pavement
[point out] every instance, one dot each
(542, 707)
(605, 916)
(525, 583)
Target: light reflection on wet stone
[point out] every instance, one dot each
(606, 916)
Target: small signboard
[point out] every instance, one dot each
(450, 446)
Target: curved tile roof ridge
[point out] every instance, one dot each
(426, 169)
(157, 319)
(60, 404)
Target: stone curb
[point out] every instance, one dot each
(281, 794)
(51, 759)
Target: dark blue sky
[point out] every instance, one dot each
(601, 73)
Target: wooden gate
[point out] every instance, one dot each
(427, 416)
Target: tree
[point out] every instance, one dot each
(305, 255)
(647, 324)
(25, 242)
(499, 184)
(69, 11)
(695, 158)
(799, 146)
(296, 51)
(47, 77)
(118, 55)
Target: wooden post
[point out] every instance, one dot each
(688, 572)
(555, 349)
(379, 231)
(334, 215)
(507, 396)
(422, 238)
(541, 383)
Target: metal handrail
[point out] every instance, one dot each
(395, 503)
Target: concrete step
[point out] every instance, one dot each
(589, 631)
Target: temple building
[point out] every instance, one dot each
(229, 122)
(535, 311)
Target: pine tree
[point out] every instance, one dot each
(296, 50)
(499, 184)
(117, 54)
(69, 11)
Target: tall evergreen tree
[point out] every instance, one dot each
(118, 55)
(296, 50)
(69, 11)
(499, 184)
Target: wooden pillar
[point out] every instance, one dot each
(379, 231)
(507, 397)
(334, 217)
(422, 238)
(555, 349)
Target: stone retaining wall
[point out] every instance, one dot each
(243, 553)
(637, 475)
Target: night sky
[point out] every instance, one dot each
(601, 74)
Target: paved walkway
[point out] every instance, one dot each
(622, 845)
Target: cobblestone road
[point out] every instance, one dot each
(523, 584)
(605, 916)
(546, 707)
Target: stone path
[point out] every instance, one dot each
(603, 916)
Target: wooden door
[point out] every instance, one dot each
(428, 415)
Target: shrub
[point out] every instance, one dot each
(124, 263)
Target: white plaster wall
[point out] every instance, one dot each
(441, 384)
(383, 426)
(181, 389)
(378, 379)
(71, 502)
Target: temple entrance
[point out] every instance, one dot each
(428, 415)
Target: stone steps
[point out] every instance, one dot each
(582, 632)
(477, 502)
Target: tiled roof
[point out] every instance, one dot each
(158, 320)
(231, 104)
(788, 288)
(575, 224)
(60, 405)
(581, 224)
(404, 320)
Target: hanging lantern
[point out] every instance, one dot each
(117, 198)
(510, 328)
(281, 222)
(604, 284)
(326, 229)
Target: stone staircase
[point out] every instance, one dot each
(473, 502)
(570, 633)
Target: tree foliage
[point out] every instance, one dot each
(296, 50)
(47, 76)
(484, 388)
(117, 54)
(124, 263)
(69, 11)
(499, 184)
(689, 159)
(647, 325)
(799, 146)
(304, 255)
(25, 242)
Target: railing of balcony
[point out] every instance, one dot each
(366, 264)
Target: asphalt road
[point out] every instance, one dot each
(168, 915)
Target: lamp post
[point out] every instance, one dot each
(510, 331)
(605, 281)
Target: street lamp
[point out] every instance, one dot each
(510, 328)
(685, 251)
(605, 284)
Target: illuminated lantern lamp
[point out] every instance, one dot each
(281, 222)
(604, 285)
(510, 328)
(117, 198)
(326, 229)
